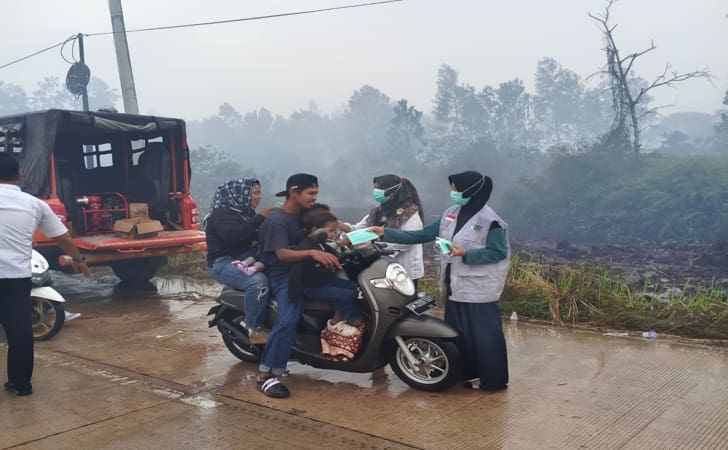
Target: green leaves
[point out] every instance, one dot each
(598, 198)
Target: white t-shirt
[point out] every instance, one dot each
(21, 215)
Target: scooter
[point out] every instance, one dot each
(420, 348)
(48, 305)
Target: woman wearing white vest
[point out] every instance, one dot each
(399, 207)
(473, 275)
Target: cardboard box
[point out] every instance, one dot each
(138, 210)
(137, 228)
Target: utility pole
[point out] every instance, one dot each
(84, 93)
(126, 77)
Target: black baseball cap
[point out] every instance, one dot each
(299, 181)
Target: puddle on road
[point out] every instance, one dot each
(104, 293)
(108, 287)
(380, 380)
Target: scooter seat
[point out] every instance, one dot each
(318, 305)
(236, 299)
(233, 298)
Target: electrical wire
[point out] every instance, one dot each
(73, 38)
(32, 54)
(245, 19)
(188, 25)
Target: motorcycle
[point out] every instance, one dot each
(419, 348)
(48, 305)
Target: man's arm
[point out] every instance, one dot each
(274, 238)
(293, 256)
(65, 243)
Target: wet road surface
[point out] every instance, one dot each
(140, 369)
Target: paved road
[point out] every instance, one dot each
(140, 369)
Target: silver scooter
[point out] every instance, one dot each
(420, 348)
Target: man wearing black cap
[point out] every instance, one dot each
(281, 231)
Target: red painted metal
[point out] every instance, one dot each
(109, 242)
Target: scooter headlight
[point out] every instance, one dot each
(398, 279)
(40, 276)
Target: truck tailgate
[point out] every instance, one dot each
(107, 242)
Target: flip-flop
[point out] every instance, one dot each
(273, 388)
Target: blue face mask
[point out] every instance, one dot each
(457, 196)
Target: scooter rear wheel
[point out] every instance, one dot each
(48, 318)
(438, 365)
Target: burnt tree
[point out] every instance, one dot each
(626, 97)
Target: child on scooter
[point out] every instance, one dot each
(341, 338)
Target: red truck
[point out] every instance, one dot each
(91, 166)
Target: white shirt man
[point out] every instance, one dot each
(20, 216)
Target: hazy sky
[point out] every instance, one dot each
(284, 64)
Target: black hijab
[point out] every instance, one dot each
(402, 204)
(474, 186)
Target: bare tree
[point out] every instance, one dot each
(627, 98)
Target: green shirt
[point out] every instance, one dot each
(496, 246)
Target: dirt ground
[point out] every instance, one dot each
(660, 268)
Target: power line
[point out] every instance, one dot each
(72, 39)
(199, 24)
(33, 54)
(245, 19)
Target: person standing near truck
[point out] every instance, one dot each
(22, 214)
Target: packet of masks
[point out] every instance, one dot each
(361, 236)
(443, 246)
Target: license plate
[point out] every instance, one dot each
(421, 305)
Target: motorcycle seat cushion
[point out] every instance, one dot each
(318, 305)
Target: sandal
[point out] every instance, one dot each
(272, 387)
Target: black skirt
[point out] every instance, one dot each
(480, 341)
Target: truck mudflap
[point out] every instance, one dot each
(102, 249)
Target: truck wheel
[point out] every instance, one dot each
(437, 364)
(138, 269)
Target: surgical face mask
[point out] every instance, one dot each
(458, 199)
(381, 195)
(457, 196)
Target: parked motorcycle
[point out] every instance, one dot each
(48, 305)
(420, 348)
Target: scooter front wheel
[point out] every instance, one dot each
(240, 351)
(436, 366)
(48, 318)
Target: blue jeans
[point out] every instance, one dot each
(280, 341)
(255, 287)
(342, 293)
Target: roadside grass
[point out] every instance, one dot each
(188, 264)
(580, 294)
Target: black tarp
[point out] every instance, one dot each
(39, 132)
